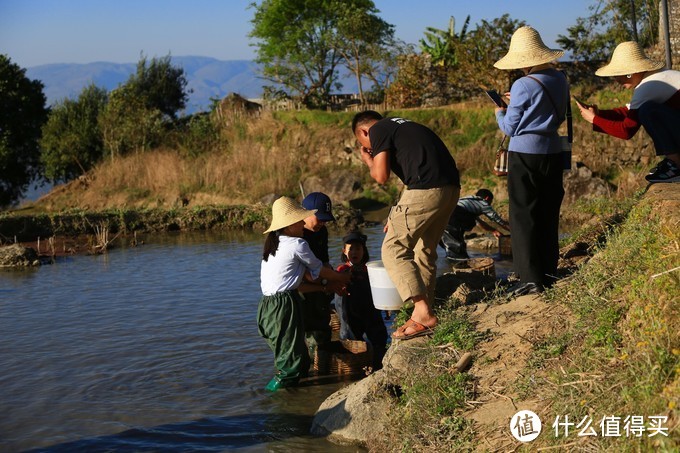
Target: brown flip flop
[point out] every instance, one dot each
(419, 330)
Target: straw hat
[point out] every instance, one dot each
(285, 212)
(527, 50)
(628, 58)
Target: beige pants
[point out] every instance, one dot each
(415, 226)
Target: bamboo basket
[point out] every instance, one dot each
(355, 346)
(335, 322)
(338, 359)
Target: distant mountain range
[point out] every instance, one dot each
(207, 78)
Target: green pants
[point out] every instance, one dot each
(279, 321)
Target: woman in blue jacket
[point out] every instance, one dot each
(537, 107)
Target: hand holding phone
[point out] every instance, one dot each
(496, 98)
(580, 102)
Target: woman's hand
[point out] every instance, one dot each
(588, 113)
(503, 109)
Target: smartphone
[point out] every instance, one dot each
(496, 98)
(580, 102)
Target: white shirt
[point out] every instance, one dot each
(657, 87)
(284, 271)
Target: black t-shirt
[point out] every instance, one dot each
(318, 242)
(417, 155)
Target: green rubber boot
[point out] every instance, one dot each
(273, 385)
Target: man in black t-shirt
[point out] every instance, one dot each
(424, 164)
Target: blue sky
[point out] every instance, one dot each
(36, 32)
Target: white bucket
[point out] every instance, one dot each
(385, 294)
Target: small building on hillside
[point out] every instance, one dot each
(236, 106)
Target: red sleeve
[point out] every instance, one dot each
(344, 267)
(619, 122)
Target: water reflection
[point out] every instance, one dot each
(247, 431)
(149, 348)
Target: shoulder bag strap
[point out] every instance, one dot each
(570, 130)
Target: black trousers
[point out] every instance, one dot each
(661, 123)
(536, 192)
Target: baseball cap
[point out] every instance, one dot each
(354, 236)
(322, 204)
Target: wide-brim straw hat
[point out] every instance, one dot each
(527, 50)
(286, 212)
(628, 58)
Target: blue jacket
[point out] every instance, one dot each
(530, 120)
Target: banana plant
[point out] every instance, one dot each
(441, 44)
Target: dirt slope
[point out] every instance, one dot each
(513, 329)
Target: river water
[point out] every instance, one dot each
(149, 348)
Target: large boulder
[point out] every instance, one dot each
(16, 255)
(342, 187)
(359, 412)
(580, 183)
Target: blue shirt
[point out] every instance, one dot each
(530, 120)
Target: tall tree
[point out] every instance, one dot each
(138, 110)
(159, 85)
(362, 39)
(384, 66)
(485, 45)
(22, 115)
(298, 42)
(71, 139)
(127, 123)
(593, 38)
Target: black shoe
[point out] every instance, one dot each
(524, 289)
(666, 171)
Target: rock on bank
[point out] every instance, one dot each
(16, 255)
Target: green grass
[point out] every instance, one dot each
(618, 353)
(429, 412)
(624, 348)
(456, 331)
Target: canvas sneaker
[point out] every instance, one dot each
(666, 171)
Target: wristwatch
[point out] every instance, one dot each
(324, 282)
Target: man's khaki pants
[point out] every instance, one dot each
(415, 226)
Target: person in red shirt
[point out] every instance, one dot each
(655, 105)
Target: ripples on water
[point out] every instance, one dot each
(152, 348)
